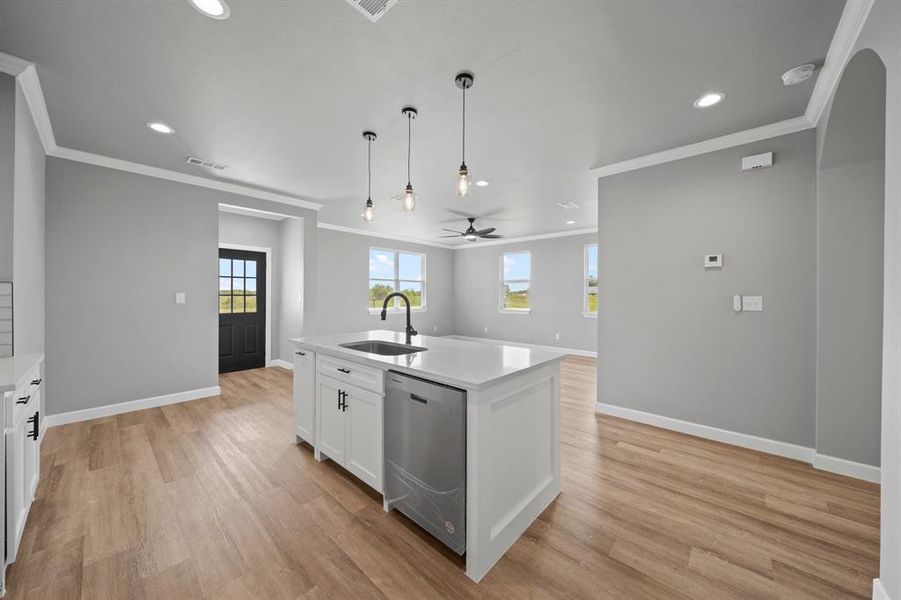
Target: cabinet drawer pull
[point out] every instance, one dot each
(35, 419)
(37, 382)
(23, 400)
(345, 371)
(299, 353)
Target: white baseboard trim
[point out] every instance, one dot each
(574, 351)
(847, 467)
(132, 405)
(277, 362)
(879, 592)
(822, 462)
(711, 433)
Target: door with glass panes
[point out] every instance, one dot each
(242, 310)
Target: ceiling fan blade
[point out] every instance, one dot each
(491, 236)
(452, 230)
(450, 236)
(459, 213)
(485, 231)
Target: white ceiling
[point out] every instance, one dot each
(281, 91)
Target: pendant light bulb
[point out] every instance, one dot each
(463, 181)
(409, 196)
(409, 199)
(464, 82)
(368, 208)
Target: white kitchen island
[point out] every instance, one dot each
(512, 423)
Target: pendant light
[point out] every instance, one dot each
(409, 196)
(368, 209)
(464, 82)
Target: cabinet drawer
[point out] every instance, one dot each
(352, 373)
(27, 397)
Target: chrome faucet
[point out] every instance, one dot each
(410, 331)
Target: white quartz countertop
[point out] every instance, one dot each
(459, 363)
(15, 369)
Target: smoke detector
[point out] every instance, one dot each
(373, 9)
(199, 162)
(798, 74)
(567, 205)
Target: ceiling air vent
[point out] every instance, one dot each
(373, 9)
(199, 162)
(568, 205)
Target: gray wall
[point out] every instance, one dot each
(668, 340)
(294, 304)
(7, 172)
(264, 233)
(880, 33)
(851, 221)
(555, 294)
(28, 247)
(119, 246)
(343, 290)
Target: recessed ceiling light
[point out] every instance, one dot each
(482, 183)
(570, 222)
(159, 127)
(709, 99)
(216, 9)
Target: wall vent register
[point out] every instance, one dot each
(207, 164)
(373, 9)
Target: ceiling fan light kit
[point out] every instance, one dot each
(472, 234)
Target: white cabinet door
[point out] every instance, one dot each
(364, 436)
(16, 504)
(332, 437)
(32, 458)
(304, 394)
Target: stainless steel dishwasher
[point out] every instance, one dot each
(425, 456)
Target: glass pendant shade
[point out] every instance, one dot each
(409, 198)
(368, 212)
(463, 181)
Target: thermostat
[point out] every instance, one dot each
(713, 261)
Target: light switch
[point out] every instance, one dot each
(180, 297)
(752, 303)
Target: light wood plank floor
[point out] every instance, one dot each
(212, 499)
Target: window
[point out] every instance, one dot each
(590, 289)
(516, 271)
(237, 286)
(396, 271)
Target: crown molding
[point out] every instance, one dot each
(841, 48)
(27, 78)
(527, 238)
(840, 51)
(251, 212)
(34, 98)
(386, 236)
(213, 184)
(712, 145)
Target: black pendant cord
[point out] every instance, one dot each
(409, 143)
(369, 169)
(464, 124)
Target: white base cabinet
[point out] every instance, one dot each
(350, 428)
(23, 431)
(305, 395)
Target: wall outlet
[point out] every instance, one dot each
(557, 336)
(752, 303)
(486, 329)
(180, 298)
(435, 329)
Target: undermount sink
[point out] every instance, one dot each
(382, 348)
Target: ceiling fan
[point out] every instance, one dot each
(472, 234)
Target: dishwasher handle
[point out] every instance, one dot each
(420, 399)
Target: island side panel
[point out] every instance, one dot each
(512, 460)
